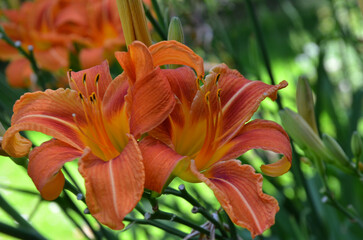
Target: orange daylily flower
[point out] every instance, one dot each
(103, 34)
(209, 127)
(52, 27)
(97, 121)
(47, 26)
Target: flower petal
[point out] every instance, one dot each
(239, 190)
(152, 102)
(137, 62)
(18, 73)
(113, 188)
(49, 112)
(52, 59)
(45, 163)
(159, 162)
(115, 113)
(90, 57)
(240, 98)
(183, 84)
(76, 80)
(174, 52)
(266, 135)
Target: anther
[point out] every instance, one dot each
(84, 78)
(80, 96)
(97, 78)
(219, 93)
(206, 96)
(217, 78)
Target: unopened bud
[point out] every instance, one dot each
(175, 31)
(17, 44)
(147, 216)
(79, 196)
(305, 102)
(356, 145)
(302, 133)
(337, 153)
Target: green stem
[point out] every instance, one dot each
(197, 207)
(157, 224)
(13, 213)
(20, 233)
(69, 204)
(321, 230)
(70, 187)
(232, 227)
(262, 45)
(174, 218)
(337, 205)
(29, 56)
(72, 179)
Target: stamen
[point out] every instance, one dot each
(202, 78)
(219, 94)
(96, 83)
(84, 77)
(206, 97)
(81, 96)
(97, 78)
(217, 78)
(197, 83)
(74, 82)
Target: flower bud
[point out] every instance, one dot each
(305, 103)
(337, 153)
(133, 21)
(175, 31)
(302, 134)
(356, 145)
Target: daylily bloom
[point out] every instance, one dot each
(52, 27)
(97, 121)
(209, 127)
(47, 27)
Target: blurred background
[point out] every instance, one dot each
(271, 41)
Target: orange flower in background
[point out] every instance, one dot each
(45, 25)
(52, 27)
(103, 34)
(209, 126)
(97, 121)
